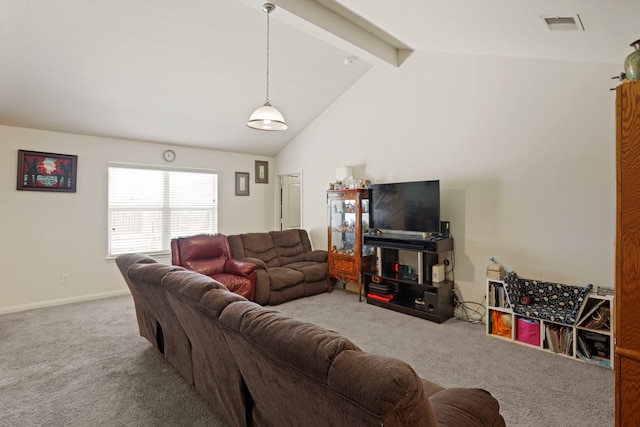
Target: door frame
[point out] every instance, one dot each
(279, 200)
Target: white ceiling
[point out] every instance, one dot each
(190, 72)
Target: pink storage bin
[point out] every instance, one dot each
(528, 331)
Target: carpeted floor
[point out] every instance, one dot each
(85, 365)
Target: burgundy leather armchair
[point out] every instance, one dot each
(211, 255)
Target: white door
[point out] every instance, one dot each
(290, 201)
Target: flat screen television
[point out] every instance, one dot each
(406, 206)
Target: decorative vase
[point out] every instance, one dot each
(632, 62)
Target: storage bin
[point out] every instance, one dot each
(528, 331)
(495, 271)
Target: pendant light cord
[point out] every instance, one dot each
(268, 13)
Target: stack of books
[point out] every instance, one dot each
(594, 348)
(559, 339)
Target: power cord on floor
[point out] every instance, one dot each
(469, 311)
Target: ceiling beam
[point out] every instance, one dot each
(336, 25)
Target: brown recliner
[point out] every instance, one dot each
(211, 255)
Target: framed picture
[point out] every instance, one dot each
(262, 172)
(242, 183)
(39, 171)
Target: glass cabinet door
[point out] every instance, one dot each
(343, 226)
(366, 250)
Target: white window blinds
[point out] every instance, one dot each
(148, 207)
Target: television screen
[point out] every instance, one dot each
(406, 206)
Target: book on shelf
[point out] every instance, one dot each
(498, 296)
(559, 339)
(598, 344)
(492, 294)
(583, 348)
(594, 346)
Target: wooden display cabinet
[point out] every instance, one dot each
(348, 218)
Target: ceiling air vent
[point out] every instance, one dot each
(563, 23)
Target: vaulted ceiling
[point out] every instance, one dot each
(190, 72)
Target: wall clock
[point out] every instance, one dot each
(169, 155)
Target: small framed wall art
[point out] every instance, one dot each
(262, 172)
(242, 183)
(40, 171)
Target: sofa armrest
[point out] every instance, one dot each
(239, 268)
(318, 255)
(472, 407)
(259, 264)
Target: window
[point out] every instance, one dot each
(150, 206)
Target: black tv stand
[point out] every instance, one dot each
(413, 293)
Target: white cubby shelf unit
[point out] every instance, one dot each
(590, 339)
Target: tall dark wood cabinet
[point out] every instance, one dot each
(627, 300)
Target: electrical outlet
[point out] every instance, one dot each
(64, 278)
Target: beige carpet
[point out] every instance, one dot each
(85, 365)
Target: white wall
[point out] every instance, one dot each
(45, 234)
(524, 150)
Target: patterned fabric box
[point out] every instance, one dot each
(556, 302)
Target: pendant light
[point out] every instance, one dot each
(267, 117)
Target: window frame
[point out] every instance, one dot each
(166, 231)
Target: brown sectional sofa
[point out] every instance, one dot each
(286, 266)
(259, 367)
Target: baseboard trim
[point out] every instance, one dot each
(62, 301)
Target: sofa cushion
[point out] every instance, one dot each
(312, 271)
(206, 266)
(430, 388)
(258, 245)
(284, 277)
(203, 253)
(394, 388)
(469, 407)
(288, 246)
(193, 286)
(291, 341)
